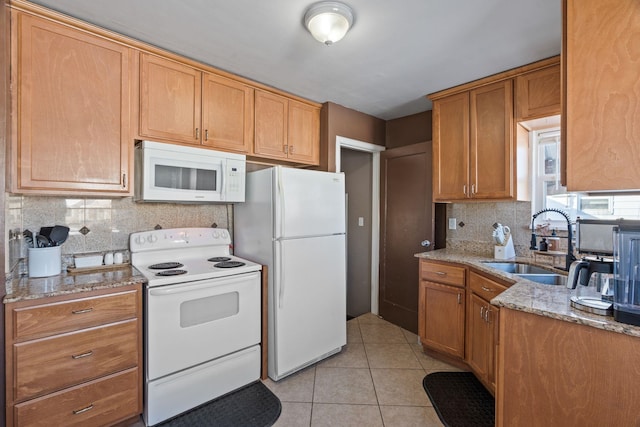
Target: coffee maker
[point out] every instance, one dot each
(626, 298)
(592, 275)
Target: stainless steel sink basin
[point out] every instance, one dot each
(530, 272)
(547, 279)
(517, 268)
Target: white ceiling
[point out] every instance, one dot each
(395, 54)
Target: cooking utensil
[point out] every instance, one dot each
(28, 237)
(43, 241)
(59, 234)
(45, 231)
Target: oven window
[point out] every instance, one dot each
(208, 309)
(185, 178)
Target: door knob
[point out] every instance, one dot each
(425, 243)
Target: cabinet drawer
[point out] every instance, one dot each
(50, 364)
(485, 288)
(100, 402)
(442, 273)
(54, 318)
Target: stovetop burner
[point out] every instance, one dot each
(171, 272)
(219, 259)
(165, 266)
(229, 264)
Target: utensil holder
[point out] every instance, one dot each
(505, 252)
(44, 262)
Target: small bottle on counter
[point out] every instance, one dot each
(543, 245)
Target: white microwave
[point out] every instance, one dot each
(181, 174)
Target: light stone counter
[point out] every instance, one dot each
(532, 297)
(25, 288)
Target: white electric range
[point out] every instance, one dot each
(202, 318)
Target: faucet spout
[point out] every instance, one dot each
(569, 257)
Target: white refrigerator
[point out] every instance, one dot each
(293, 221)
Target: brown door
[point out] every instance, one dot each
(406, 219)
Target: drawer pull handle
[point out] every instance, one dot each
(80, 356)
(441, 273)
(484, 288)
(86, 310)
(80, 411)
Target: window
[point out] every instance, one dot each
(549, 193)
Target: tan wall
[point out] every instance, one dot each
(336, 120)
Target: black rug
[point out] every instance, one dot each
(253, 405)
(460, 400)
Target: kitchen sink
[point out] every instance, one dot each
(530, 272)
(517, 268)
(547, 278)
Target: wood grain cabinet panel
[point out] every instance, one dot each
(473, 144)
(170, 100)
(442, 327)
(286, 129)
(99, 402)
(84, 367)
(602, 94)
(538, 94)
(227, 114)
(72, 94)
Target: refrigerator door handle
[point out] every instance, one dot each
(282, 207)
(280, 273)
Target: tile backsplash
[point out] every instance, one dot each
(109, 221)
(476, 235)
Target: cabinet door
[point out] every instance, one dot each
(73, 110)
(491, 141)
(602, 94)
(270, 125)
(538, 94)
(170, 100)
(304, 133)
(442, 324)
(478, 337)
(451, 147)
(227, 114)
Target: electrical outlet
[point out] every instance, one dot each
(452, 223)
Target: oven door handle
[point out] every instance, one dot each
(180, 289)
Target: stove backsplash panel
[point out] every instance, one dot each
(98, 225)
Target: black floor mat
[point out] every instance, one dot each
(459, 399)
(253, 405)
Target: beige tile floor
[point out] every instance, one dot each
(376, 380)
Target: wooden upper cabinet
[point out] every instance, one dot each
(491, 141)
(179, 103)
(286, 129)
(227, 114)
(71, 95)
(473, 143)
(602, 94)
(304, 133)
(170, 100)
(538, 94)
(451, 147)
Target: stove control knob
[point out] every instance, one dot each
(216, 234)
(152, 238)
(224, 234)
(140, 240)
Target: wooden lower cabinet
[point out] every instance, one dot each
(556, 373)
(441, 308)
(482, 328)
(75, 359)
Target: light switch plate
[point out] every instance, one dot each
(452, 223)
(360, 221)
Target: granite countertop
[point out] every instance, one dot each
(26, 288)
(532, 297)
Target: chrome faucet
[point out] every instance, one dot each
(534, 241)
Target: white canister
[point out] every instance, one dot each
(44, 262)
(118, 258)
(108, 258)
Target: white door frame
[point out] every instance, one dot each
(353, 144)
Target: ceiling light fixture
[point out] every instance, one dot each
(328, 21)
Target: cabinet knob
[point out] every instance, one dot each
(206, 134)
(197, 133)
